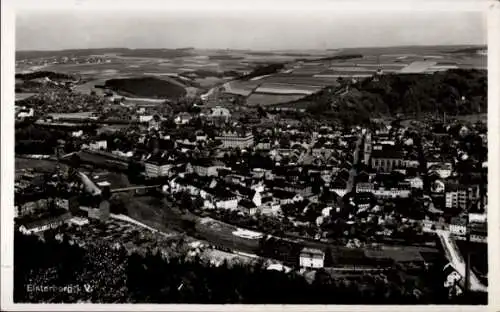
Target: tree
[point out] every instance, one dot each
(186, 201)
(197, 203)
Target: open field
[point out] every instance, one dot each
(208, 81)
(243, 88)
(88, 87)
(282, 88)
(295, 79)
(272, 99)
(146, 87)
(197, 70)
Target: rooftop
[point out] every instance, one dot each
(312, 251)
(388, 153)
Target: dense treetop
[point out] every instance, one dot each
(113, 276)
(454, 92)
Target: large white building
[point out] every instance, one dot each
(25, 113)
(365, 187)
(391, 193)
(416, 183)
(99, 145)
(443, 170)
(367, 149)
(206, 169)
(157, 168)
(234, 139)
(230, 203)
(457, 197)
(386, 159)
(312, 258)
(220, 113)
(458, 226)
(45, 224)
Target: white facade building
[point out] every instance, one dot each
(416, 183)
(99, 145)
(146, 118)
(312, 258)
(227, 203)
(457, 227)
(233, 140)
(458, 198)
(391, 193)
(154, 169)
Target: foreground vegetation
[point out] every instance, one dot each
(113, 276)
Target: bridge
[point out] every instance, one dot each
(135, 188)
(453, 255)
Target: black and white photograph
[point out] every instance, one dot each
(330, 153)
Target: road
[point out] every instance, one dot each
(353, 172)
(456, 259)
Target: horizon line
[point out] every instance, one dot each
(270, 50)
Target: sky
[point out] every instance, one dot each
(296, 26)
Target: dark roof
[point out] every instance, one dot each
(197, 181)
(387, 153)
(287, 170)
(338, 183)
(458, 221)
(267, 199)
(245, 191)
(363, 176)
(479, 228)
(158, 160)
(282, 194)
(221, 192)
(248, 204)
(297, 186)
(343, 174)
(364, 185)
(451, 186)
(449, 269)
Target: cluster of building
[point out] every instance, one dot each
(63, 60)
(283, 162)
(284, 170)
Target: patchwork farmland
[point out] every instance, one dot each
(191, 72)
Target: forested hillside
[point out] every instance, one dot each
(454, 92)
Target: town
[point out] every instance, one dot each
(234, 184)
(242, 154)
